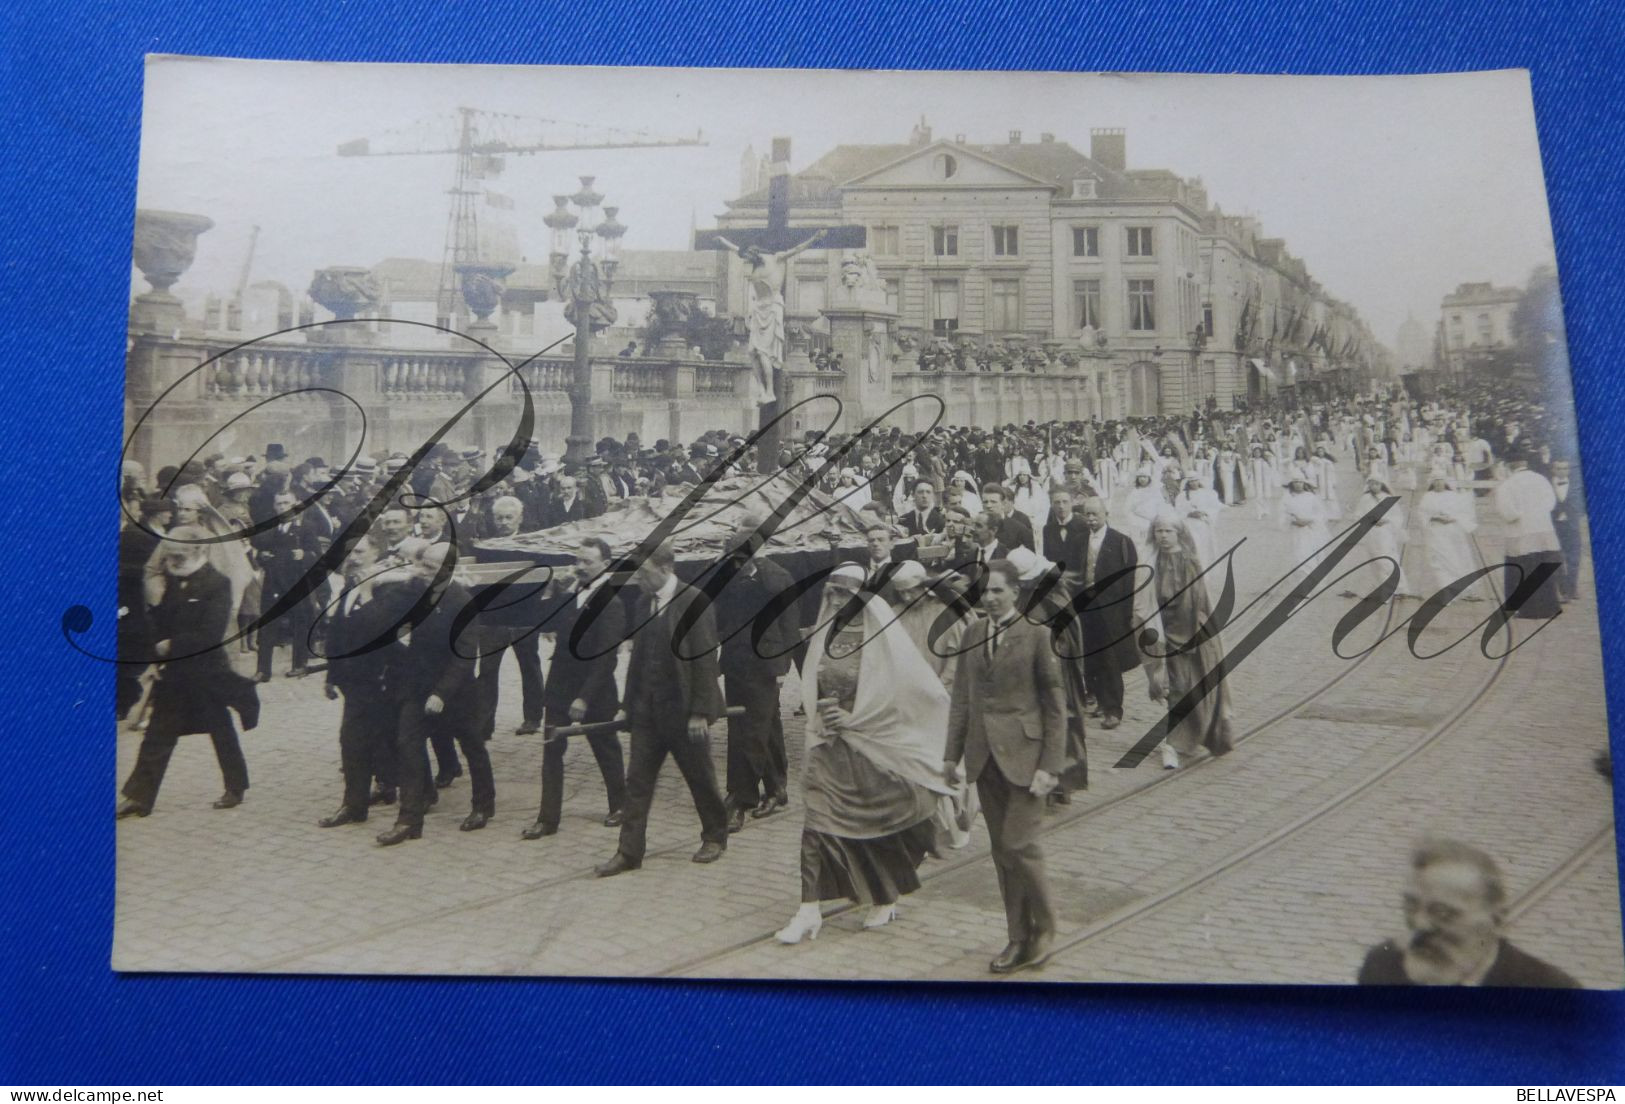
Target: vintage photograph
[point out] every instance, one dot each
(853, 525)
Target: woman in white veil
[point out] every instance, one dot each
(877, 719)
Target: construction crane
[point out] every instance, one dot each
(481, 139)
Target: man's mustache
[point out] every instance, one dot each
(1432, 944)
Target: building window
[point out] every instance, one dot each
(1004, 305)
(1139, 242)
(1086, 241)
(1086, 303)
(945, 165)
(1005, 242)
(885, 241)
(1486, 332)
(944, 306)
(1142, 304)
(1083, 188)
(894, 291)
(1207, 320)
(811, 295)
(945, 241)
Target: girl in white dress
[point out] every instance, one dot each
(1448, 519)
(1386, 538)
(1326, 484)
(1304, 515)
(1198, 506)
(1263, 484)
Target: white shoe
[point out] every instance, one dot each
(1170, 758)
(880, 915)
(806, 922)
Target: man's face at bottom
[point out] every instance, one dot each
(1453, 925)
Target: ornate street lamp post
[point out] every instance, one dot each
(1198, 338)
(584, 288)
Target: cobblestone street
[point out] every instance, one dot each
(1280, 863)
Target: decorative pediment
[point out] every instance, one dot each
(946, 165)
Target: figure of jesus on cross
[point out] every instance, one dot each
(764, 313)
(768, 252)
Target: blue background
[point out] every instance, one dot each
(70, 82)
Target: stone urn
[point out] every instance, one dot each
(165, 244)
(671, 313)
(482, 286)
(345, 290)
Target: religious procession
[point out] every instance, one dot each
(977, 599)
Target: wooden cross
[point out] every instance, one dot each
(777, 237)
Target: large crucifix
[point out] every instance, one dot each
(767, 253)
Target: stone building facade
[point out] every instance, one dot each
(1030, 243)
(1475, 326)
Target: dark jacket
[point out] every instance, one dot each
(196, 682)
(350, 630)
(430, 663)
(1513, 969)
(585, 668)
(1017, 529)
(1067, 546)
(275, 553)
(670, 680)
(740, 604)
(560, 514)
(1108, 613)
(1011, 707)
(916, 526)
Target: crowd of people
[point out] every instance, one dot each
(1012, 578)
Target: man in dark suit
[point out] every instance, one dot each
(1455, 907)
(985, 543)
(434, 686)
(957, 528)
(1015, 527)
(285, 553)
(589, 623)
(1566, 517)
(882, 560)
(1008, 723)
(568, 503)
(511, 628)
(672, 696)
(603, 487)
(988, 462)
(694, 471)
(196, 686)
(368, 611)
(752, 672)
(1066, 538)
(1109, 647)
(925, 517)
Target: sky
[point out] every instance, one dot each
(1393, 190)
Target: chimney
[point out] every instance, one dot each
(1015, 137)
(1046, 137)
(1109, 146)
(922, 133)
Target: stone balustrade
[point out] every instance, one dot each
(259, 372)
(424, 377)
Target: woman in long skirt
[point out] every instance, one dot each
(1382, 546)
(1174, 668)
(874, 759)
(1325, 471)
(1448, 519)
(1304, 515)
(1263, 486)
